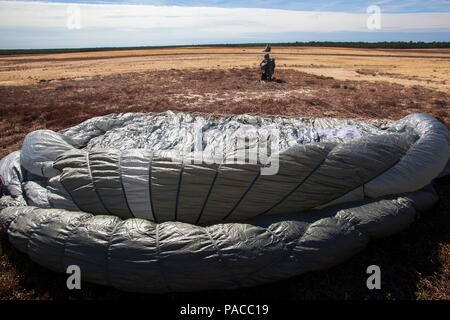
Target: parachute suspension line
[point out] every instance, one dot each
(93, 184)
(48, 199)
(296, 187)
(362, 184)
(178, 190)
(122, 186)
(150, 188)
(107, 276)
(364, 190)
(71, 196)
(159, 259)
(207, 196)
(21, 188)
(243, 195)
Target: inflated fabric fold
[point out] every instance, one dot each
(177, 202)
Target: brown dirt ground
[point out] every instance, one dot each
(414, 263)
(426, 67)
(58, 105)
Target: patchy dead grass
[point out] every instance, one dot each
(61, 104)
(427, 67)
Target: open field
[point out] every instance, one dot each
(427, 67)
(60, 104)
(61, 90)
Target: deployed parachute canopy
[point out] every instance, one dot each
(221, 203)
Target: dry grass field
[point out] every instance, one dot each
(56, 91)
(427, 67)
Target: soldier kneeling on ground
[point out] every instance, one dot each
(268, 66)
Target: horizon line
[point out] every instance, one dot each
(241, 44)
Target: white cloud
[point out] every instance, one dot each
(209, 20)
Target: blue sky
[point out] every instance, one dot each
(389, 6)
(98, 23)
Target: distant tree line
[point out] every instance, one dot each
(70, 50)
(367, 45)
(384, 44)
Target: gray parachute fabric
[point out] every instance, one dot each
(174, 202)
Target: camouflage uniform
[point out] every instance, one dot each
(268, 66)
